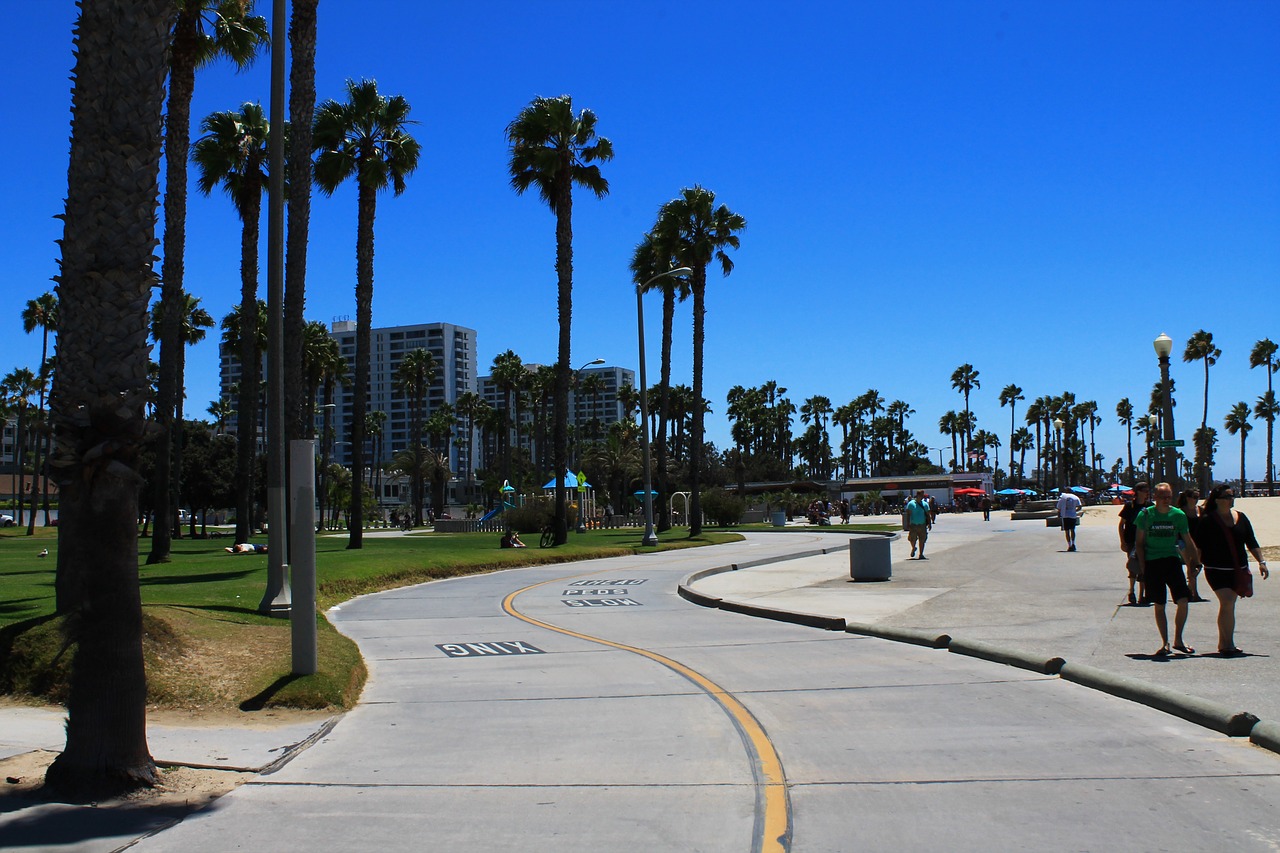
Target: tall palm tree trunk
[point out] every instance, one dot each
(182, 83)
(664, 393)
(302, 106)
(564, 287)
(99, 402)
(699, 287)
(368, 208)
(250, 368)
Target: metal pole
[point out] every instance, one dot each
(1170, 452)
(650, 537)
(275, 599)
(302, 548)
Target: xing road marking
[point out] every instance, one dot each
(773, 804)
(502, 647)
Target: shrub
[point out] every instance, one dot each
(723, 508)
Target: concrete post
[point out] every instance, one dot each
(302, 548)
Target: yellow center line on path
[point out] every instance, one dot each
(773, 812)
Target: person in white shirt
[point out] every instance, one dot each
(1068, 516)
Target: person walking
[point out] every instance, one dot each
(1159, 527)
(1187, 503)
(1224, 535)
(986, 507)
(1068, 516)
(919, 522)
(1128, 542)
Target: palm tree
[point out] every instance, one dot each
(1263, 355)
(18, 387)
(205, 31)
(191, 330)
(1267, 409)
(249, 348)
(1009, 396)
(333, 372)
(1200, 348)
(695, 231)
(102, 387)
(1035, 414)
(317, 346)
(365, 138)
(1020, 443)
(470, 408)
(299, 419)
(552, 150)
(42, 313)
(220, 410)
(235, 153)
(508, 373)
(1124, 413)
(648, 261)
(1237, 421)
(414, 376)
(965, 379)
(947, 426)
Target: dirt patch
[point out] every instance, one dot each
(179, 786)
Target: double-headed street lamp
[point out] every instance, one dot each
(1164, 346)
(1059, 423)
(650, 538)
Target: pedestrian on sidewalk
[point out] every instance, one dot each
(1224, 535)
(1187, 503)
(1159, 527)
(919, 522)
(1068, 516)
(1128, 542)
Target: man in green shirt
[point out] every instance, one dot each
(1159, 528)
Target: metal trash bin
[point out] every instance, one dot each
(869, 558)
(778, 518)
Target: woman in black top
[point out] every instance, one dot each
(1223, 535)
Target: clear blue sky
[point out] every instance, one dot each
(1038, 189)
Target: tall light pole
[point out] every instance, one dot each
(1163, 346)
(1057, 459)
(650, 537)
(577, 428)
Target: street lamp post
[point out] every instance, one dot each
(1057, 459)
(577, 428)
(1163, 346)
(650, 537)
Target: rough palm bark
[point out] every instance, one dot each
(97, 404)
(302, 105)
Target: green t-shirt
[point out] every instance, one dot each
(1162, 530)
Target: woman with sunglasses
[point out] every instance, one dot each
(1224, 535)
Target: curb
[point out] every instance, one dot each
(1266, 734)
(1009, 657)
(915, 636)
(1212, 715)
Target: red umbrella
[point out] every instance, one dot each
(967, 491)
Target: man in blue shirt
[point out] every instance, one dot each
(919, 521)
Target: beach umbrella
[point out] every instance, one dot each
(1081, 490)
(970, 492)
(1007, 492)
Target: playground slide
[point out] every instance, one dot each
(491, 513)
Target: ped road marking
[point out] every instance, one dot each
(773, 803)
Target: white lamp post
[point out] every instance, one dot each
(650, 537)
(577, 428)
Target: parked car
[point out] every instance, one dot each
(6, 521)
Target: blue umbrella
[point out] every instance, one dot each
(1009, 492)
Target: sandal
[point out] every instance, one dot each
(1162, 653)
(1186, 650)
(1231, 652)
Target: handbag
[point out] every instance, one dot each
(1241, 578)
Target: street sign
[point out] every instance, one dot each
(1165, 445)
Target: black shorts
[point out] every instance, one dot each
(1220, 578)
(1069, 523)
(1166, 572)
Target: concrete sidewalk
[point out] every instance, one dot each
(1013, 583)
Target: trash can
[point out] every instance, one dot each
(779, 518)
(869, 558)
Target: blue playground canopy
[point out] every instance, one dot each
(570, 481)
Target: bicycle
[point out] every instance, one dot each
(548, 539)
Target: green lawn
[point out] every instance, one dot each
(202, 620)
